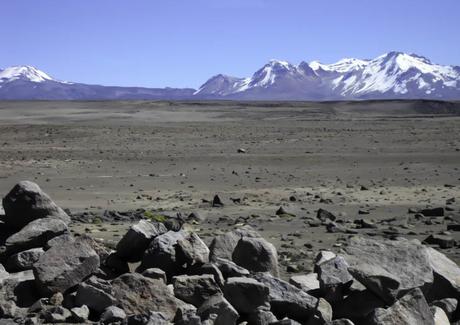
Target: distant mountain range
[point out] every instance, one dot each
(394, 75)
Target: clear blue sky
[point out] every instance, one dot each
(176, 43)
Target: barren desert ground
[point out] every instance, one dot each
(362, 160)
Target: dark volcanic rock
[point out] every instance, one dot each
(62, 267)
(24, 260)
(191, 250)
(434, 212)
(136, 294)
(218, 305)
(246, 294)
(287, 300)
(440, 240)
(229, 269)
(325, 215)
(334, 278)
(27, 202)
(195, 289)
(388, 268)
(256, 254)
(96, 294)
(412, 308)
(224, 245)
(133, 244)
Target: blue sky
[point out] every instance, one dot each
(158, 43)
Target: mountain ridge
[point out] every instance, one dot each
(393, 75)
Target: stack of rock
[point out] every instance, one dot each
(161, 276)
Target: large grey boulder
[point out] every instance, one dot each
(27, 202)
(257, 255)
(218, 305)
(261, 316)
(24, 260)
(306, 282)
(195, 289)
(229, 269)
(446, 276)
(287, 300)
(96, 294)
(132, 245)
(161, 254)
(63, 267)
(112, 314)
(192, 251)
(136, 294)
(246, 294)
(35, 234)
(334, 278)
(389, 268)
(223, 245)
(410, 309)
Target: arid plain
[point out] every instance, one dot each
(372, 163)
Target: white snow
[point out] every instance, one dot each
(23, 72)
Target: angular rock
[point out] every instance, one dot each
(358, 305)
(136, 294)
(24, 260)
(440, 317)
(59, 240)
(218, 305)
(223, 245)
(191, 250)
(36, 234)
(261, 316)
(63, 267)
(433, 212)
(449, 305)
(208, 268)
(195, 289)
(342, 321)
(325, 215)
(287, 300)
(80, 314)
(446, 276)
(410, 309)
(323, 256)
(115, 265)
(112, 314)
(246, 294)
(388, 268)
(308, 282)
(229, 269)
(57, 314)
(186, 315)
(440, 240)
(162, 254)
(17, 295)
(133, 244)
(156, 274)
(257, 255)
(26, 202)
(96, 294)
(217, 202)
(334, 278)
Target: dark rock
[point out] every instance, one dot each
(57, 314)
(35, 234)
(334, 278)
(208, 268)
(162, 254)
(325, 215)
(434, 212)
(112, 314)
(256, 254)
(195, 289)
(287, 300)
(217, 202)
(155, 274)
(24, 260)
(229, 269)
(453, 227)
(62, 267)
(440, 240)
(218, 305)
(17, 295)
(388, 268)
(191, 250)
(195, 217)
(116, 265)
(261, 316)
(96, 294)
(410, 309)
(26, 202)
(246, 294)
(223, 245)
(357, 305)
(136, 294)
(133, 244)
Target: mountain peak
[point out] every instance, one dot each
(23, 72)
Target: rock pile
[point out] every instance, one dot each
(161, 276)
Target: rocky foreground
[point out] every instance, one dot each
(160, 273)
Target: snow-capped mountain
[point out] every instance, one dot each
(27, 83)
(394, 75)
